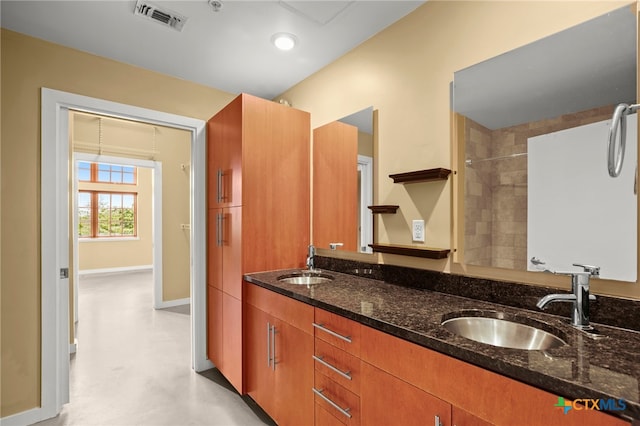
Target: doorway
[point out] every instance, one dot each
(55, 107)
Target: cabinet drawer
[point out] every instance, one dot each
(339, 331)
(338, 365)
(291, 311)
(340, 402)
(387, 400)
(468, 387)
(323, 418)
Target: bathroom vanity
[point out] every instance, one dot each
(370, 352)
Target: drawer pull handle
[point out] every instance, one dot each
(344, 374)
(331, 332)
(344, 411)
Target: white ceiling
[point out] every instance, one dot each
(229, 50)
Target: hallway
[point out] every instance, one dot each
(133, 363)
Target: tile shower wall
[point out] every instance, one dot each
(496, 190)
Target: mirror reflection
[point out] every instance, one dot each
(343, 183)
(535, 125)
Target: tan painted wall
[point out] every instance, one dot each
(365, 144)
(27, 64)
(107, 253)
(404, 72)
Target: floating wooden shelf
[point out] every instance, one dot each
(384, 209)
(429, 253)
(421, 176)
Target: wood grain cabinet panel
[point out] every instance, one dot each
(339, 331)
(279, 366)
(214, 248)
(323, 418)
(258, 198)
(231, 234)
(337, 400)
(298, 314)
(214, 325)
(489, 396)
(335, 165)
(340, 366)
(232, 339)
(224, 156)
(387, 400)
(460, 417)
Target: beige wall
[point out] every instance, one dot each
(108, 253)
(405, 72)
(27, 65)
(365, 144)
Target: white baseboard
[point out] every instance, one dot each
(172, 303)
(115, 270)
(27, 417)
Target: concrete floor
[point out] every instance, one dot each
(132, 365)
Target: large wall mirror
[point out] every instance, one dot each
(532, 135)
(343, 183)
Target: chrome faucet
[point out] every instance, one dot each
(311, 263)
(580, 297)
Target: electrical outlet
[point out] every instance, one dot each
(418, 230)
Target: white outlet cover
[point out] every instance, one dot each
(418, 230)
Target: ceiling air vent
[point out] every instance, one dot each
(163, 16)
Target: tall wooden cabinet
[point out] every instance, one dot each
(258, 200)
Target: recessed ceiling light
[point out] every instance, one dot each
(284, 41)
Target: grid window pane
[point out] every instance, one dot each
(84, 171)
(84, 214)
(111, 173)
(104, 176)
(106, 214)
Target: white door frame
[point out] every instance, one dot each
(55, 106)
(156, 166)
(365, 166)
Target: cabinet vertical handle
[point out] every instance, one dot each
(438, 422)
(219, 230)
(220, 188)
(320, 393)
(331, 332)
(268, 345)
(273, 347)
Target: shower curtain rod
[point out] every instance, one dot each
(502, 157)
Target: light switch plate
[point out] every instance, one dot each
(418, 230)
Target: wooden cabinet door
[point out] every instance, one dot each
(214, 248)
(214, 326)
(232, 251)
(275, 186)
(387, 400)
(335, 188)
(259, 377)
(293, 375)
(232, 340)
(224, 152)
(460, 417)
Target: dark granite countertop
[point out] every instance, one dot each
(608, 367)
